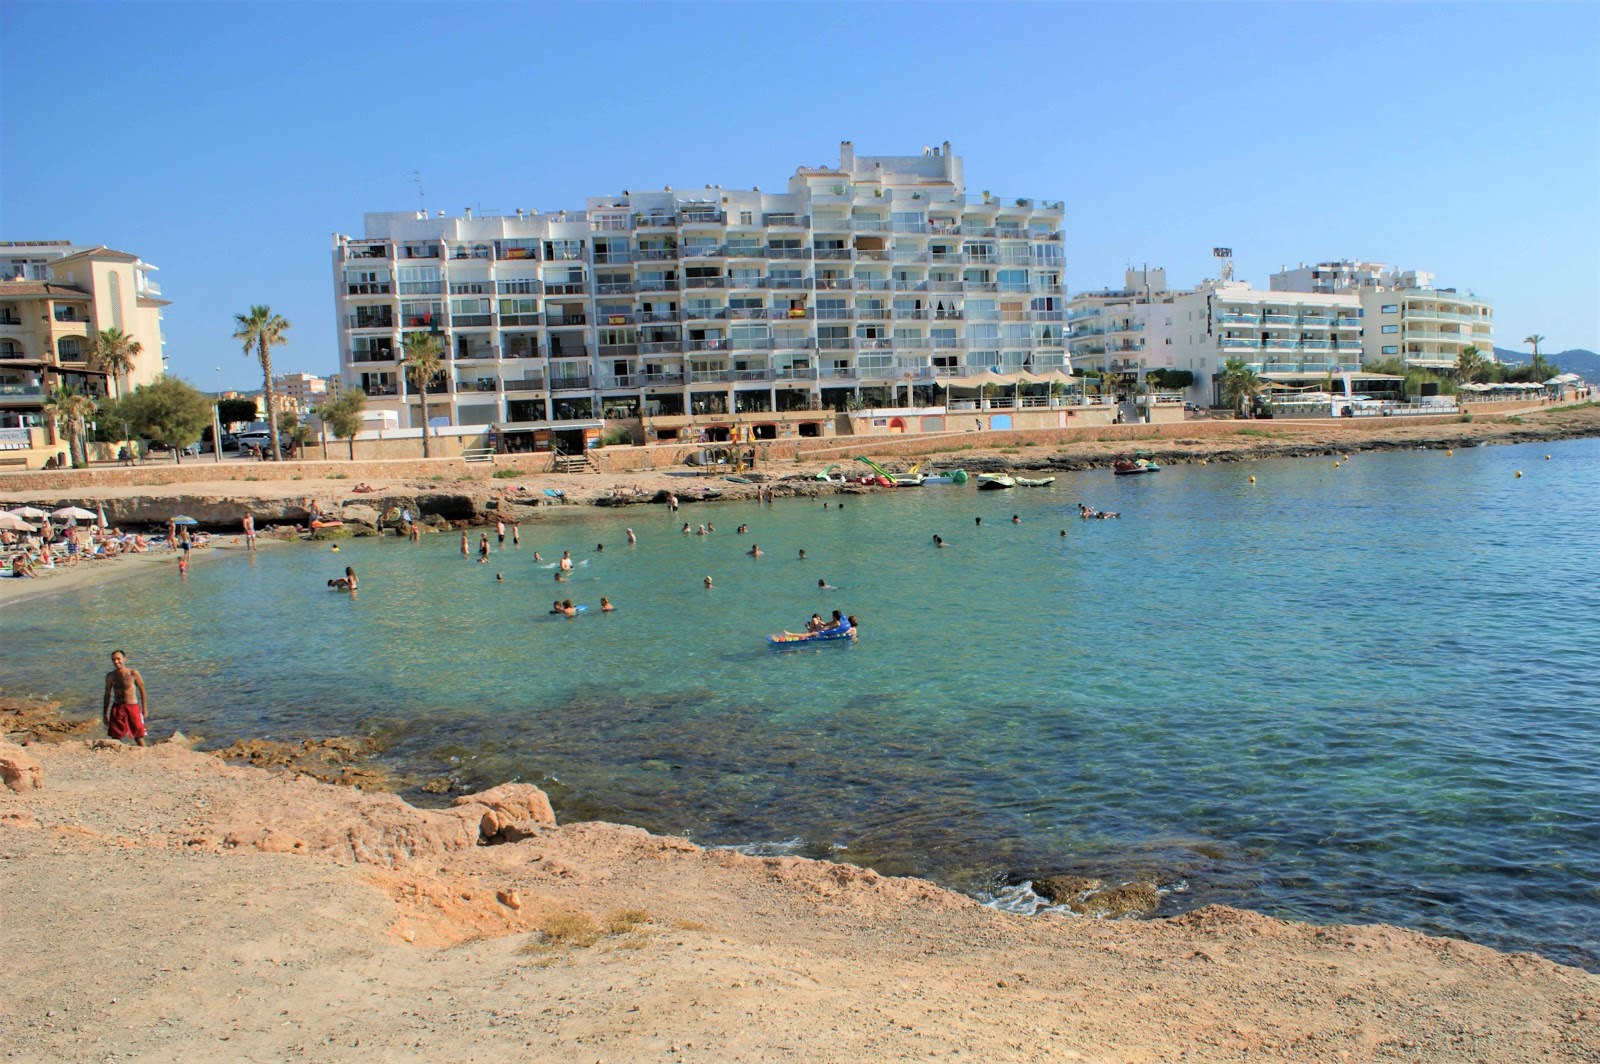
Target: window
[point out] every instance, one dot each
(1391, 308)
(1391, 349)
(1388, 329)
(419, 280)
(747, 218)
(70, 349)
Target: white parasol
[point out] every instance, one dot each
(13, 523)
(29, 511)
(74, 512)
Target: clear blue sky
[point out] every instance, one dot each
(225, 142)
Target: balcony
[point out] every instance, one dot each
(470, 321)
(655, 220)
(785, 221)
(752, 375)
(1347, 323)
(703, 251)
(614, 288)
(379, 390)
(656, 255)
(747, 252)
(20, 391)
(787, 282)
(714, 344)
(370, 321)
(564, 288)
(569, 384)
(610, 258)
(835, 314)
(560, 350)
(353, 251)
(519, 349)
(1280, 319)
(747, 313)
(909, 284)
(657, 284)
(835, 284)
(843, 373)
(526, 384)
(507, 320)
(789, 253)
(371, 356)
(749, 343)
(872, 313)
(565, 321)
(661, 347)
(1315, 321)
(793, 343)
(703, 313)
(520, 286)
(705, 282)
(620, 380)
(832, 253)
(708, 376)
(480, 384)
(702, 217)
(420, 251)
(654, 380)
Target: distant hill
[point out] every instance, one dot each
(1585, 364)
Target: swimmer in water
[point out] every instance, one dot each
(536, 557)
(566, 561)
(605, 605)
(631, 537)
(561, 577)
(708, 583)
(755, 550)
(1016, 519)
(977, 521)
(823, 585)
(938, 540)
(742, 529)
(500, 578)
(599, 548)
(802, 554)
(686, 528)
(555, 607)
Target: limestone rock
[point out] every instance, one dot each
(514, 802)
(1060, 890)
(18, 770)
(1130, 899)
(359, 513)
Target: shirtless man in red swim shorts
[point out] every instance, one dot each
(126, 705)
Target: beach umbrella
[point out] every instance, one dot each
(29, 511)
(14, 523)
(101, 513)
(71, 512)
(182, 520)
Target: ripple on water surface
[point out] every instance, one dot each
(1361, 693)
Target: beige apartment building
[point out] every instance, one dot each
(54, 297)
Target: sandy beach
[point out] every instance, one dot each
(164, 904)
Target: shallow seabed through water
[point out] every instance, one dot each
(1355, 693)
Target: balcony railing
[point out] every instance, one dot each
(377, 390)
(481, 384)
(696, 217)
(658, 379)
(564, 288)
(569, 384)
(785, 221)
(747, 253)
(520, 286)
(793, 343)
(718, 344)
(705, 282)
(367, 251)
(703, 251)
(655, 220)
(835, 284)
(507, 320)
(614, 288)
(366, 321)
(606, 258)
(21, 389)
(526, 384)
(520, 351)
(707, 376)
(703, 313)
(565, 321)
(657, 255)
(832, 253)
(656, 284)
(467, 321)
(661, 347)
(747, 313)
(788, 253)
(787, 282)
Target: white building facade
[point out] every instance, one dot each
(861, 283)
(1406, 316)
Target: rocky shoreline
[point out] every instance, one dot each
(471, 500)
(217, 909)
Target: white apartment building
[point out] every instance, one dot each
(1405, 315)
(862, 282)
(55, 296)
(1123, 330)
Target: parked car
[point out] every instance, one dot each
(251, 442)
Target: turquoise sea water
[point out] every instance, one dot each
(1363, 693)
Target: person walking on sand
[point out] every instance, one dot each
(249, 531)
(126, 706)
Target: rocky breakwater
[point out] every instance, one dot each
(219, 512)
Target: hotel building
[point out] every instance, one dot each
(1404, 314)
(867, 283)
(54, 297)
(303, 390)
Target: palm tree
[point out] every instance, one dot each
(1535, 340)
(424, 352)
(262, 330)
(1240, 384)
(115, 351)
(69, 407)
(1470, 364)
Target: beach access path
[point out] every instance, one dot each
(161, 904)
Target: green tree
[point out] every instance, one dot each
(260, 331)
(115, 352)
(169, 411)
(1470, 364)
(235, 411)
(111, 422)
(343, 416)
(291, 428)
(1534, 341)
(69, 409)
(424, 354)
(1240, 385)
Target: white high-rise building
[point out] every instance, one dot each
(865, 282)
(1405, 315)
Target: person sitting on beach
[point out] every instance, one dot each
(755, 550)
(605, 605)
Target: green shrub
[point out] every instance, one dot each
(1466, 416)
(507, 474)
(338, 476)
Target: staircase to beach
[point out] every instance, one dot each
(572, 463)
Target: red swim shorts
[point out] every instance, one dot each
(125, 721)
